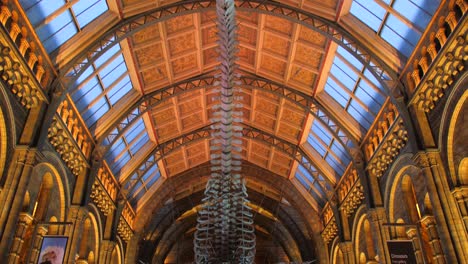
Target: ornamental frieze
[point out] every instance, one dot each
(330, 231)
(101, 198)
(124, 230)
(390, 147)
(63, 142)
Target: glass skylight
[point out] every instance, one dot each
(311, 185)
(138, 186)
(123, 150)
(102, 85)
(399, 22)
(355, 88)
(56, 21)
(328, 147)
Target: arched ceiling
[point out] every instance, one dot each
(142, 74)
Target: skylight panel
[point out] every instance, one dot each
(57, 32)
(311, 185)
(127, 146)
(87, 11)
(328, 147)
(137, 187)
(351, 85)
(56, 21)
(102, 85)
(399, 22)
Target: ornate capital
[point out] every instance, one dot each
(330, 231)
(124, 230)
(425, 159)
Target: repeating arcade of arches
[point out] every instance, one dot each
(225, 231)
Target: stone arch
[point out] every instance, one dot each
(26, 202)
(395, 185)
(93, 238)
(453, 132)
(337, 254)
(400, 231)
(463, 171)
(46, 172)
(3, 143)
(409, 197)
(362, 238)
(117, 254)
(89, 241)
(43, 199)
(7, 132)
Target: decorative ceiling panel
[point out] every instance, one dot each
(279, 25)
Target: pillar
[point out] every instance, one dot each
(413, 235)
(12, 195)
(430, 226)
(450, 223)
(41, 231)
(76, 216)
(105, 252)
(348, 252)
(461, 196)
(377, 217)
(24, 222)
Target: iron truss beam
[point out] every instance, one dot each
(330, 29)
(153, 99)
(327, 28)
(292, 150)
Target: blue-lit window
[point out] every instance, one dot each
(138, 186)
(399, 22)
(312, 185)
(102, 85)
(56, 21)
(328, 147)
(355, 88)
(125, 148)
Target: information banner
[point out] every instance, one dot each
(52, 250)
(401, 251)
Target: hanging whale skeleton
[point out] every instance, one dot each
(225, 232)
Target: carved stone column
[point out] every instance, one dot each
(413, 235)
(348, 252)
(13, 193)
(24, 223)
(41, 231)
(430, 226)
(377, 217)
(461, 196)
(105, 252)
(450, 224)
(76, 216)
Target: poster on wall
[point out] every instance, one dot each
(52, 250)
(401, 251)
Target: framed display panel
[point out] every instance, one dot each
(52, 250)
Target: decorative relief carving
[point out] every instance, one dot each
(389, 148)
(65, 145)
(101, 198)
(353, 200)
(380, 129)
(75, 125)
(21, 82)
(108, 181)
(429, 83)
(32, 56)
(128, 214)
(124, 230)
(330, 231)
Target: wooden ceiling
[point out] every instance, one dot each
(269, 47)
